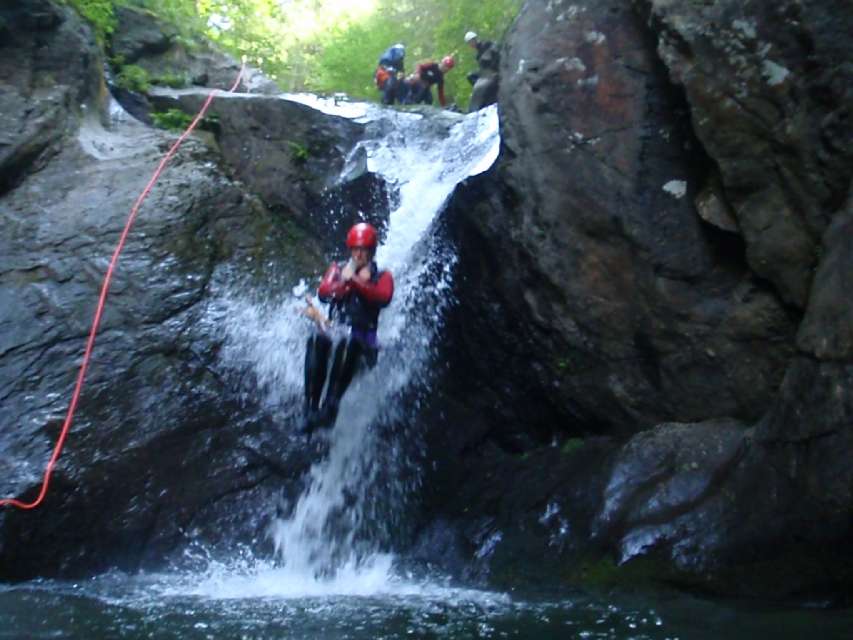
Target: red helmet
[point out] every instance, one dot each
(362, 235)
(448, 62)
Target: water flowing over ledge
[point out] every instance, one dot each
(337, 534)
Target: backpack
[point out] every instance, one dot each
(392, 57)
(381, 77)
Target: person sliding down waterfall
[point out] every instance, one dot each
(356, 293)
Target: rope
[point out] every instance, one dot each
(90, 344)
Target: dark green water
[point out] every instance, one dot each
(169, 607)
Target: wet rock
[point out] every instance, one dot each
(484, 91)
(294, 158)
(366, 197)
(163, 442)
(594, 279)
(672, 196)
(769, 86)
(827, 329)
(518, 518)
(49, 66)
(665, 472)
(155, 440)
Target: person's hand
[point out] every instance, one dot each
(348, 272)
(364, 273)
(314, 313)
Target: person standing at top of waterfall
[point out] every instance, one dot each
(485, 79)
(487, 54)
(427, 74)
(389, 73)
(356, 293)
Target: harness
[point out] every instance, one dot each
(361, 315)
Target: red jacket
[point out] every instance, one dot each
(355, 301)
(430, 74)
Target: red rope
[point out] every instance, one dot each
(90, 344)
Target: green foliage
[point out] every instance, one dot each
(571, 445)
(172, 119)
(299, 152)
(173, 80)
(332, 46)
(99, 13)
(430, 29)
(133, 78)
(177, 120)
(182, 14)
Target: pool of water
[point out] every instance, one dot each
(194, 607)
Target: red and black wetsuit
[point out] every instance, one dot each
(356, 303)
(420, 90)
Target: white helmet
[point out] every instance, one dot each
(470, 36)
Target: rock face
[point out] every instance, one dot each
(35, 115)
(636, 311)
(165, 449)
(640, 265)
(293, 157)
(769, 92)
(144, 40)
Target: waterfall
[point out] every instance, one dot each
(339, 527)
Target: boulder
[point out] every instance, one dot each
(594, 279)
(770, 87)
(295, 158)
(142, 39)
(654, 274)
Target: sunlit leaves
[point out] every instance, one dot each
(430, 29)
(333, 45)
(99, 13)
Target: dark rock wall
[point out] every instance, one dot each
(40, 86)
(662, 250)
(770, 98)
(630, 307)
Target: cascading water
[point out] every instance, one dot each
(337, 532)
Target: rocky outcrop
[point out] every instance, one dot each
(40, 87)
(770, 98)
(166, 450)
(654, 274)
(144, 40)
(293, 157)
(634, 310)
